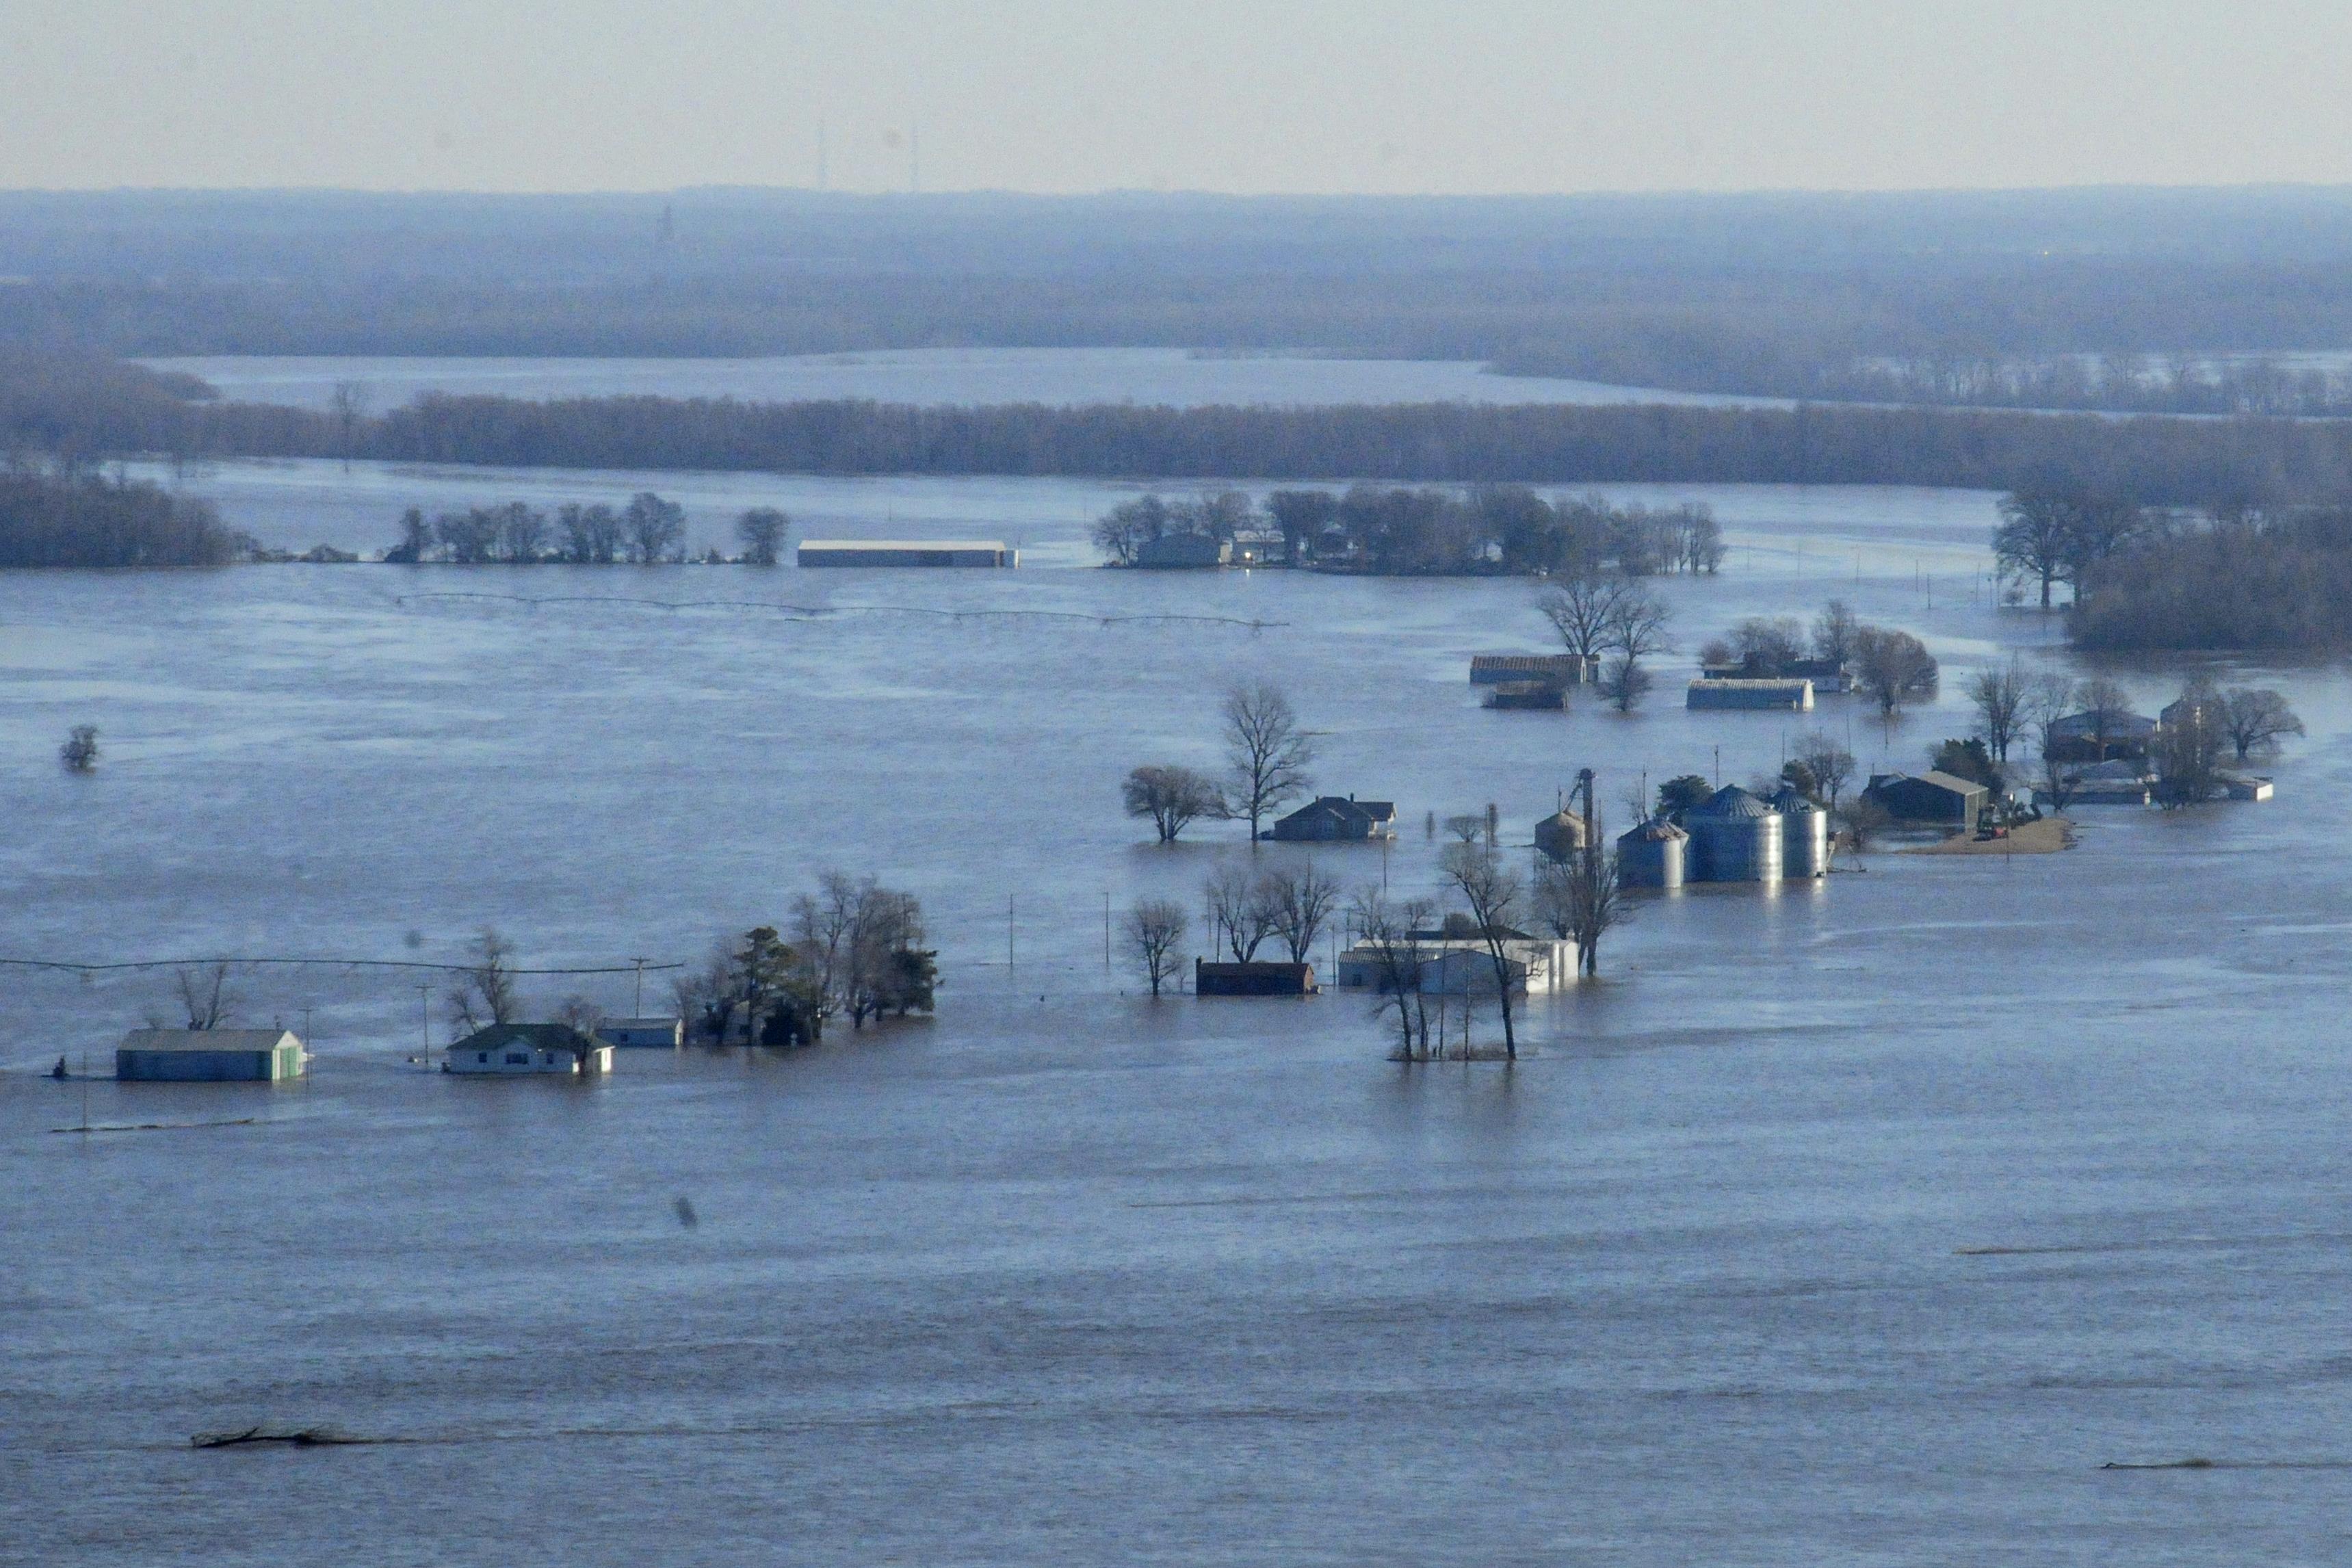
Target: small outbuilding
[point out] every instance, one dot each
(1253, 979)
(1184, 552)
(1767, 696)
(1557, 669)
(906, 552)
(520, 1049)
(1654, 855)
(1526, 696)
(209, 1055)
(1935, 797)
(1560, 838)
(663, 1033)
(1337, 819)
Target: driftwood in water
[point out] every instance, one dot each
(298, 1437)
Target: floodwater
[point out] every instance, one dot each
(1861, 1223)
(1176, 377)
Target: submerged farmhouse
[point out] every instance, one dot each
(517, 1049)
(1334, 819)
(906, 552)
(209, 1055)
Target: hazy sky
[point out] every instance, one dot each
(1234, 95)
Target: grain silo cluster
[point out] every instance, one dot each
(1733, 837)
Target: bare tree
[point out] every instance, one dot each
(1893, 668)
(1637, 625)
(1833, 632)
(579, 1013)
(485, 994)
(1173, 797)
(1830, 764)
(2107, 704)
(1387, 931)
(2035, 538)
(1768, 644)
(2049, 697)
(1625, 683)
(1492, 892)
(80, 754)
(204, 995)
(1266, 752)
(350, 403)
(761, 533)
(1154, 929)
(1597, 905)
(1583, 611)
(1239, 914)
(655, 528)
(2256, 720)
(1300, 898)
(1999, 695)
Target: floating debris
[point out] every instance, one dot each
(294, 1437)
(2160, 1465)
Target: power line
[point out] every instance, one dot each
(317, 963)
(820, 612)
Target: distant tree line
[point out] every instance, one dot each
(68, 409)
(2271, 579)
(88, 520)
(1503, 530)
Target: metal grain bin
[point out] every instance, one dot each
(1804, 835)
(1652, 856)
(1734, 837)
(1561, 836)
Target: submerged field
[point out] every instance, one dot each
(1867, 1219)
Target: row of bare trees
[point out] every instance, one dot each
(649, 530)
(1292, 903)
(1266, 754)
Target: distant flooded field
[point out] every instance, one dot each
(1864, 1220)
(1179, 377)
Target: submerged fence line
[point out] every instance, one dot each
(820, 612)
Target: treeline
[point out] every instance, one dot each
(86, 520)
(2138, 384)
(1504, 529)
(2149, 460)
(82, 411)
(2277, 580)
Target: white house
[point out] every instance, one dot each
(511, 1049)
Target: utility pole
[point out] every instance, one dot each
(424, 1020)
(640, 1007)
